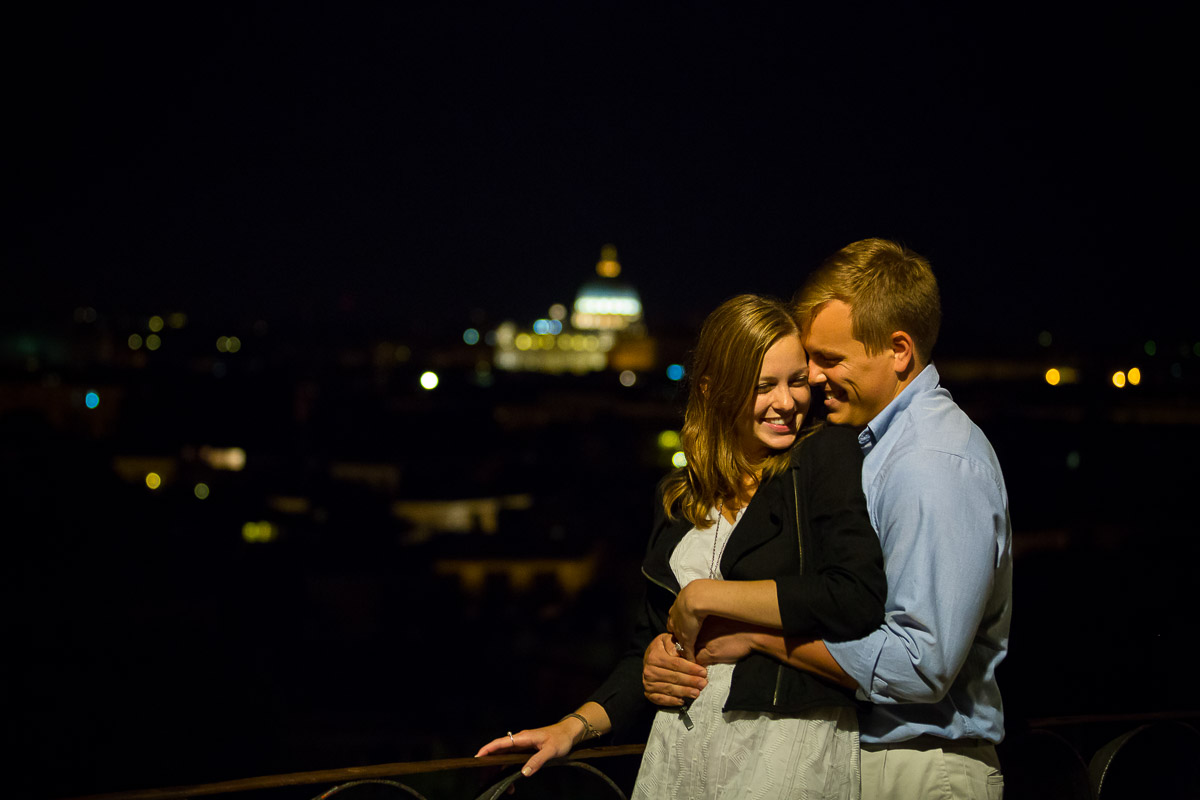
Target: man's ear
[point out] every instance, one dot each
(904, 351)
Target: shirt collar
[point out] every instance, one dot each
(927, 379)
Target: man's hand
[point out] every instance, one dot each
(667, 679)
(723, 641)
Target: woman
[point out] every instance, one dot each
(755, 531)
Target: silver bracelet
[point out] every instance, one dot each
(588, 731)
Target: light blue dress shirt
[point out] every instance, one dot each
(936, 498)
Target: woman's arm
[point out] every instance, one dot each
(552, 741)
(754, 602)
(840, 595)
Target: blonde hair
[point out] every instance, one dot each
(726, 364)
(888, 288)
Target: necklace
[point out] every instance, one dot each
(712, 564)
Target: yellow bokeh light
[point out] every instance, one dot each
(1135, 376)
(261, 531)
(523, 341)
(429, 380)
(153, 342)
(1053, 376)
(1118, 380)
(679, 459)
(177, 320)
(222, 344)
(155, 324)
(230, 458)
(153, 480)
(135, 341)
(233, 344)
(201, 491)
(668, 440)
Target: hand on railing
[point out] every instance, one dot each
(552, 741)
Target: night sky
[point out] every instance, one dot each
(402, 163)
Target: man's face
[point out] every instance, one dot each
(857, 385)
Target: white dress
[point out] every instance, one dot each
(742, 754)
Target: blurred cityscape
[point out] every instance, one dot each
(264, 546)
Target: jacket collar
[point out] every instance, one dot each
(761, 520)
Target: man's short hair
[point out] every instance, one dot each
(888, 287)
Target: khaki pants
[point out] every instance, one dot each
(930, 767)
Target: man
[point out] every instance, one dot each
(936, 497)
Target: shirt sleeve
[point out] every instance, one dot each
(941, 521)
(841, 589)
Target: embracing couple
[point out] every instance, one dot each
(826, 604)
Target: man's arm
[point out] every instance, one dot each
(943, 523)
(810, 655)
(668, 680)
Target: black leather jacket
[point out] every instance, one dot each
(808, 530)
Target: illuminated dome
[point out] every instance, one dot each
(606, 303)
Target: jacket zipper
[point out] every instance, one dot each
(659, 584)
(800, 549)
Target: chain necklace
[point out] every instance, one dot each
(712, 564)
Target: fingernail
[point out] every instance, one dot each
(526, 771)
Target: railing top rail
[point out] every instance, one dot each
(348, 774)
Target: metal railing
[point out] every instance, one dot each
(384, 775)
(1084, 757)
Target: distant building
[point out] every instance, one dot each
(605, 330)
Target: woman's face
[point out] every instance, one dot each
(779, 402)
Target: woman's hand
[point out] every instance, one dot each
(685, 618)
(552, 741)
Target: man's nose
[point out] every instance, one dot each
(815, 374)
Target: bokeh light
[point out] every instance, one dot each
(675, 372)
(135, 341)
(471, 336)
(1151, 347)
(259, 532)
(679, 459)
(429, 380)
(628, 378)
(153, 342)
(1118, 379)
(153, 480)
(155, 324)
(668, 440)
(201, 491)
(91, 399)
(1135, 376)
(1053, 376)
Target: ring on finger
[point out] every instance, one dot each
(511, 739)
